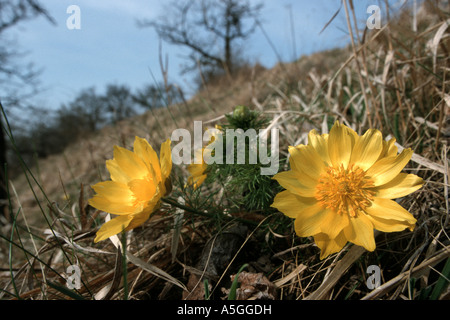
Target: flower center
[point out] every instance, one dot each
(344, 190)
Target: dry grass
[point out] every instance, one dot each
(394, 79)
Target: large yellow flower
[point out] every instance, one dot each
(340, 187)
(138, 181)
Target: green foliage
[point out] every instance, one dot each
(435, 290)
(442, 283)
(244, 118)
(245, 187)
(206, 286)
(232, 294)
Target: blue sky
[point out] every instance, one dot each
(111, 48)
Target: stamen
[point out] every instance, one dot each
(345, 190)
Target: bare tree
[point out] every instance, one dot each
(119, 102)
(13, 12)
(211, 29)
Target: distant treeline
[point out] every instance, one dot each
(51, 131)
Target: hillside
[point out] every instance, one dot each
(394, 80)
(84, 162)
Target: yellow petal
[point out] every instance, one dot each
(148, 155)
(291, 181)
(306, 161)
(339, 145)
(290, 204)
(333, 223)
(367, 149)
(143, 189)
(386, 169)
(387, 225)
(360, 232)
(390, 211)
(101, 203)
(130, 163)
(320, 144)
(113, 197)
(196, 169)
(112, 227)
(138, 220)
(165, 159)
(329, 246)
(114, 191)
(352, 134)
(197, 176)
(389, 149)
(197, 180)
(400, 186)
(116, 173)
(310, 220)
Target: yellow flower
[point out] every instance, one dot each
(138, 181)
(197, 170)
(340, 187)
